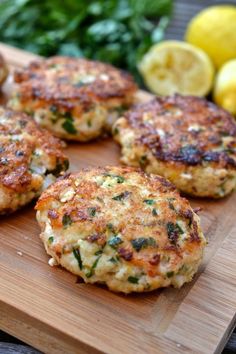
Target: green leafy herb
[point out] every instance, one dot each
(142, 242)
(180, 229)
(183, 269)
(173, 231)
(89, 123)
(149, 201)
(50, 239)
(154, 212)
(114, 260)
(171, 205)
(80, 83)
(114, 241)
(68, 126)
(76, 253)
(53, 108)
(170, 274)
(98, 252)
(60, 166)
(152, 242)
(115, 131)
(92, 211)
(143, 161)
(111, 228)
(118, 178)
(120, 110)
(66, 220)
(115, 31)
(91, 272)
(121, 196)
(133, 280)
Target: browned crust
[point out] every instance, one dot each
(175, 115)
(15, 155)
(161, 226)
(54, 81)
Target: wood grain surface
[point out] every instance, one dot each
(48, 309)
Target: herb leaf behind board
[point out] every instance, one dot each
(118, 32)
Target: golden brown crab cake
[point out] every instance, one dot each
(121, 227)
(186, 139)
(76, 99)
(30, 158)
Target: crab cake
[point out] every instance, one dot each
(186, 139)
(30, 157)
(121, 227)
(76, 99)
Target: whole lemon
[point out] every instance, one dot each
(214, 31)
(225, 87)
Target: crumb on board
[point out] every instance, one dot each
(52, 262)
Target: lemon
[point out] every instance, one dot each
(214, 31)
(177, 67)
(225, 87)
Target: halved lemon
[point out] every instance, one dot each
(225, 87)
(177, 67)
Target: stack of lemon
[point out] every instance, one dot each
(189, 68)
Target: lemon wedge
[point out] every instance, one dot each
(177, 67)
(225, 87)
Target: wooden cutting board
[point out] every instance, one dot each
(48, 309)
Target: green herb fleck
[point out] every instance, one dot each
(91, 272)
(92, 211)
(143, 161)
(98, 252)
(152, 242)
(60, 166)
(149, 201)
(50, 239)
(139, 243)
(121, 196)
(53, 108)
(183, 269)
(115, 131)
(180, 229)
(76, 253)
(171, 206)
(120, 110)
(111, 228)
(170, 274)
(133, 280)
(119, 179)
(115, 241)
(154, 212)
(142, 242)
(89, 123)
(114, 260)
(79, 83)
(68, 125)
(173, 231)
(66, 220)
